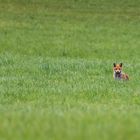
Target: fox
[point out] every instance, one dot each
(117, 72)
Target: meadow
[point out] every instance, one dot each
(56, 59)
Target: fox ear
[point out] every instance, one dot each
(114, 64)
(120, 64)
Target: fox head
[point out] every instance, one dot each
(117, 69)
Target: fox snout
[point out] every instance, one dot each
(118, 71)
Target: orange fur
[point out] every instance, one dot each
(117, 72)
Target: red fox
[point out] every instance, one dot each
(117, 72)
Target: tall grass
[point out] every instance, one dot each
(56, 61)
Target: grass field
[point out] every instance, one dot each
(56, 59)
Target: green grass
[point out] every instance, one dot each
(56, 59)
